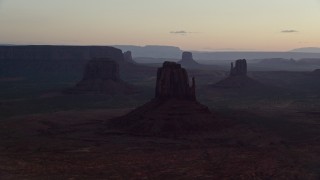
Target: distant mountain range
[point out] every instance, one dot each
(175, 53)
(307, 50)
(172, 52)
(7, 45)
(152, 51)
(73, 58)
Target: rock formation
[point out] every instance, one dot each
(173, 111)
(42, 52)
(102, 76)
(240, 69)
(187, 56)
(188, 61)
(173, 82)
(128, 57)
(237, 77)
(54, 63)
(152, 51)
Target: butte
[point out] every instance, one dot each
(188, 61)
(173, 111)
(101, 76)
(237, 77)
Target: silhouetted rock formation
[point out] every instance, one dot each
(238, 77)
(240, 69)
(62, 63)
(152, 51)
(173, 82)
(187, 56)
(41, 52)
(104, 69)
(174, 110)
(101, 76)
(188, 61)
(128, 57)
(54, 62)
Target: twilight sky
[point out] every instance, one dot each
(269, 25)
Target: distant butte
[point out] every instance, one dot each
(240, 69)
(173, 111)
(101, 76)
(128, 57)
(237, 77)
(188, 61)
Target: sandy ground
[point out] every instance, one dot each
(71, 145)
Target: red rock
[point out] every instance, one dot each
(173, 82)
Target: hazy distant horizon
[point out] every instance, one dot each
(300, 49)
(200, 25)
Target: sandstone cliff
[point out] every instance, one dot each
(41, 52)
(57, 63)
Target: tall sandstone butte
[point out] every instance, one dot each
(173, 111)
(173, 82)
(101, 76)
(240, 69)
(237, 77)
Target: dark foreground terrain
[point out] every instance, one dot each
(271, 144)
(48, 135)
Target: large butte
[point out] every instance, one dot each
(173, 111)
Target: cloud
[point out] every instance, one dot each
(179, 32)
(289, 31)
(182, 32)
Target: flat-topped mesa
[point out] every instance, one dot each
(173, 82)
(187, 56)
(240, 68)
(187, 60)
(59, 53)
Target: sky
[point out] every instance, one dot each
(210, 25)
